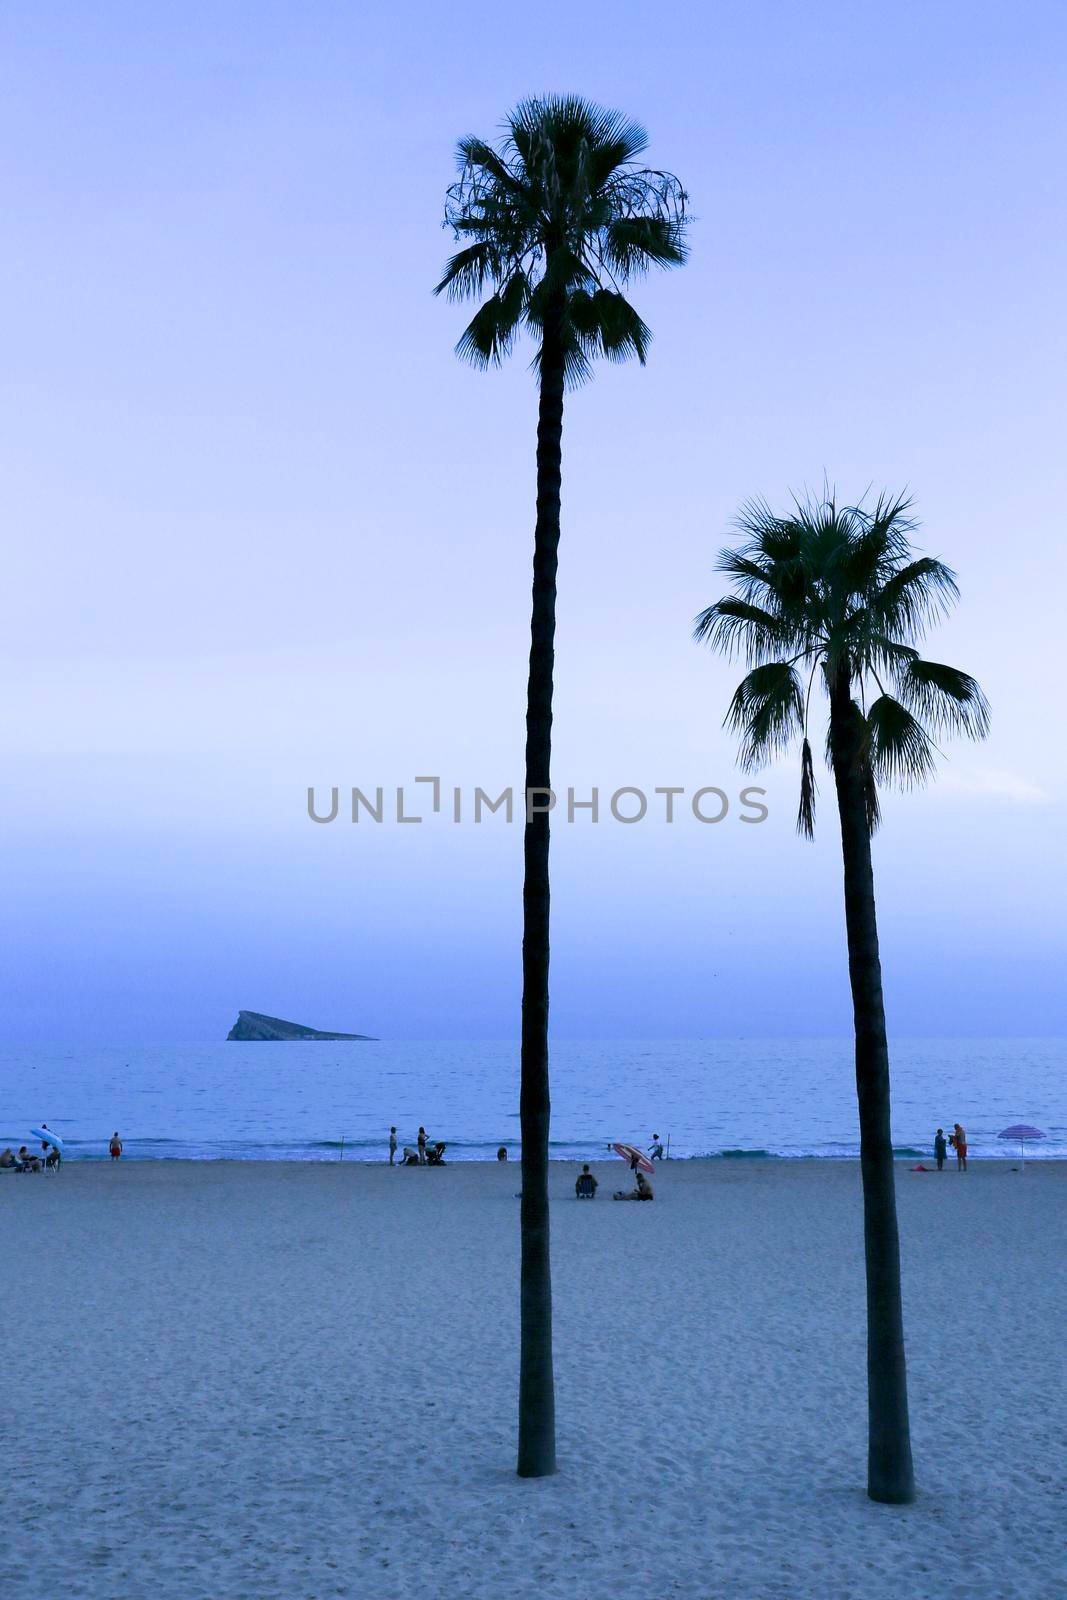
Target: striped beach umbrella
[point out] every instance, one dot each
(1023, 1132)
(634, 1158)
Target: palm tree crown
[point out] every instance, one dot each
(839, 588)
(558, 220)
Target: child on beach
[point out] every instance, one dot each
(392, 1146)
(656, 1152)
(940, 1148)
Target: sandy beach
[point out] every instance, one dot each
(265, 1379)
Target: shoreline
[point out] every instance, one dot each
(900, 1163)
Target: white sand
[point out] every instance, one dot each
(299, 1380)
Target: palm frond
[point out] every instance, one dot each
(632, 244)
(872, 805)
(737, 627)
(468, 270)
(490, 334)
(946, 698)
(751, 572)
(808, 791)
(607, 324)
(916, 595)
(881, 538)
(897, 745)
(766, 712)
(876, 650)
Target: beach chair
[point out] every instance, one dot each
(585, 1188)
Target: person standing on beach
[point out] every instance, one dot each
(422, 1146)
(940, 1148)
(115, 1147)
(656, 1152)
(959, 1139)
(392, 1146)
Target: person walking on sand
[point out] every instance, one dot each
(940, 1148)
(392, 1147)
(959, 1140)
(114, 1149)
(421, 1141)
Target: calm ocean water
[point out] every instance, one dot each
(726, 1098)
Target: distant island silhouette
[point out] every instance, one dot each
(252, 1027)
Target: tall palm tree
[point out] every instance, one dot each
(838, 594)
(553, 224)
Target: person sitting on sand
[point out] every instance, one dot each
(940, 1148)
(411, 1157)
(27, 1163)
(7, 1157)
(642, 1192)
(52, 1157)
(502, 1153)
(583, 1181)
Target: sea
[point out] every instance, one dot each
(707, 1099)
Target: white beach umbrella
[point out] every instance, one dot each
(1022, 1131)
(46, 1136)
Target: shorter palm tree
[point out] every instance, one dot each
(837, 594)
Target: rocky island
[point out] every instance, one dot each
(253, 1027)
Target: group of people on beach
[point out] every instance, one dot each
(425, 1152)
(28, 1160)
(24, 1160)
(587, 1183)
(958, 1141)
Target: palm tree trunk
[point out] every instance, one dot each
(889, 1467)
(537, 1403)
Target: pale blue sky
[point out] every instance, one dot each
(263, 530)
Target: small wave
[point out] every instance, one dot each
(738, 1155)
